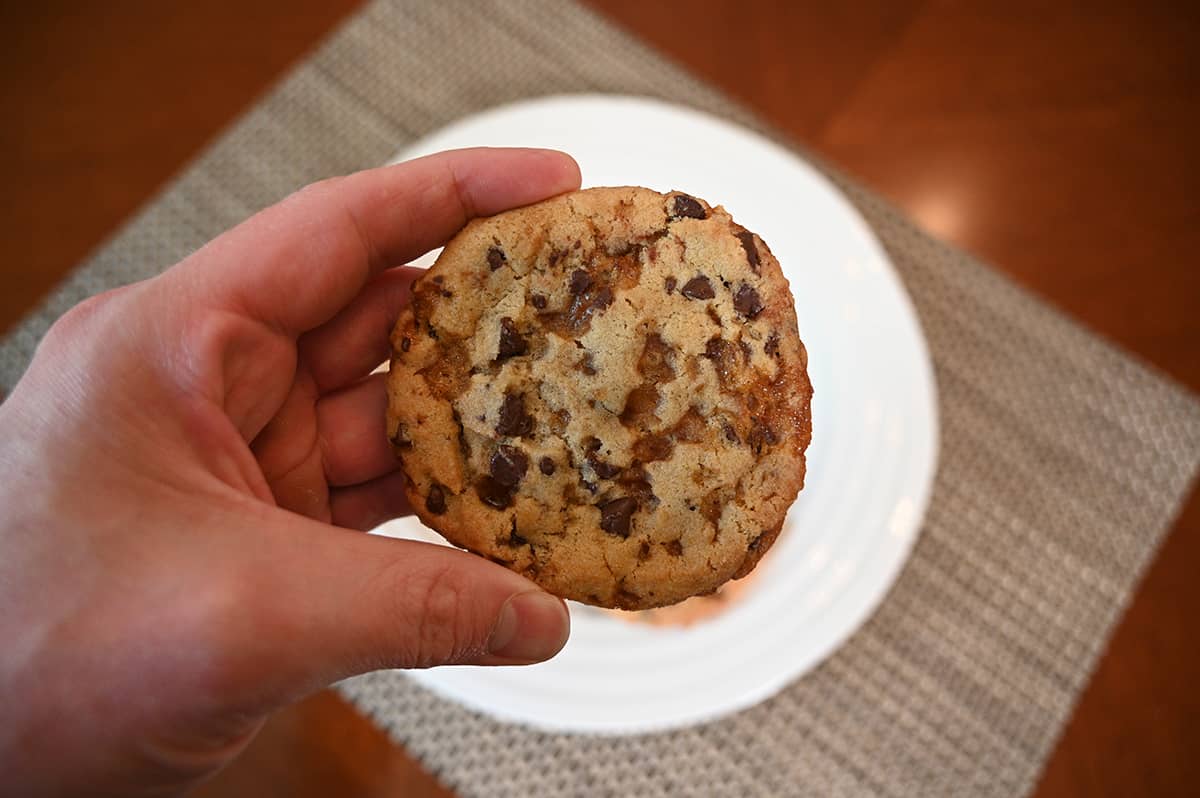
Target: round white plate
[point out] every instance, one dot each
(870, 464)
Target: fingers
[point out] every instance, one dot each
(353, 433)
(355, 341)
(339, 604)
(369, 504)
(289, 453)
(312, 445)
(297, 263)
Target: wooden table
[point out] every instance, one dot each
(1060, 144)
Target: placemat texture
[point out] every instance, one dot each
(1062, 463)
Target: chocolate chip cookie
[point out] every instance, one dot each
(605, 392)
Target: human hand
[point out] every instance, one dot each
(177, 462)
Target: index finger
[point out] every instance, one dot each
(296, 263)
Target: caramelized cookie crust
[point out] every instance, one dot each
(605, 392)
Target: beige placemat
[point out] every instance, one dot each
(1063, 460)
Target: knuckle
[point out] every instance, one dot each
(80, 318)
(316, 189)
(224, 344)
(441, 623)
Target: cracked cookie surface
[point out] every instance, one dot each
(605, 392)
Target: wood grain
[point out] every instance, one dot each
(106, 101)
(1056, 141)
(321, 746)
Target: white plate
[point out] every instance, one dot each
(870, 464)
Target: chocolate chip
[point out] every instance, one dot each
(653, 447)
(432, 332)
(698, 288)
(656, 360)
(754, 544)
(559, 420)
(687, 207)
(772, 345)
(723, 355)
(496, 258)
(405, 343)
(493, 494)
(546, 466)
(592, 444)
(580, 282)
(748, 244)
(539, 301)
(437, 278)
(712, 505)
(508, 465)
(691, 428)
(636, 483)
(618, 248)
(464, 446)
(602, 298)
(640, 405)
(746, 301)
(400, 439)
(669, 284)
(674, 548)
(586, 365)
(616, 514)
(590, 486)
(731, 434)
(627, 599)
(761, 435)
(511, 342)
(435, 502)
(514, 421)
(644, 551)
(603, 470)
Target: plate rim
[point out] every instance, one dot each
(883, 585)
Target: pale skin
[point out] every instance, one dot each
(185, 465)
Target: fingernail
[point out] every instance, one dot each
(532, 627)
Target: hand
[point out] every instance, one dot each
(182, 465)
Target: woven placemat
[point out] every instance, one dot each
(1063, 461)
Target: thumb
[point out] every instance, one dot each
(343, 603)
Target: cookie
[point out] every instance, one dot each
(605, 392)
